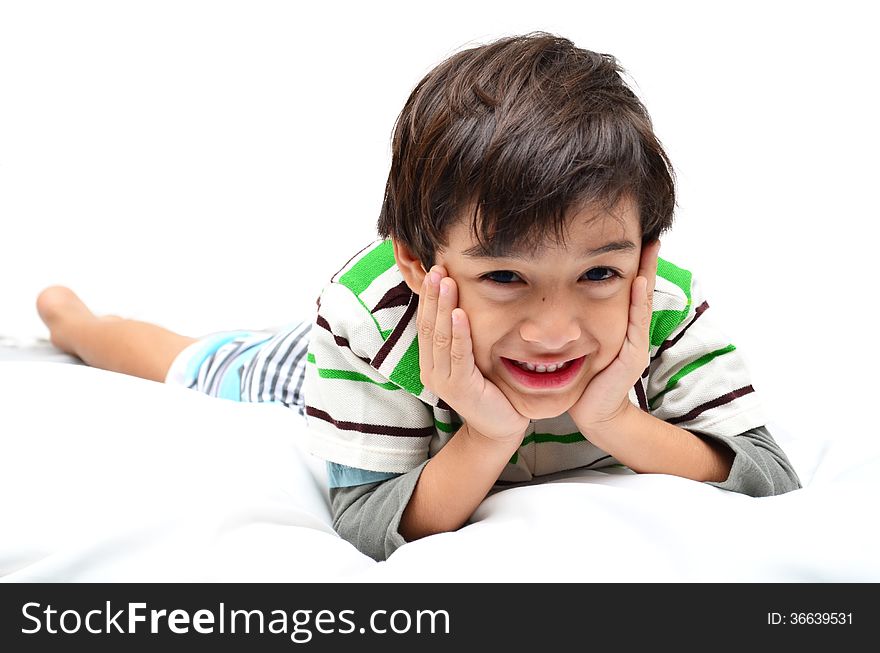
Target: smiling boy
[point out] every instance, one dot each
(512, 321)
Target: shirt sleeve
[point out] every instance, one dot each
(697, 378)
(357, 416)
(760, 467)
(369, 515)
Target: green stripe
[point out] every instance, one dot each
(568, 438)
(353, 376)
(366, 270)
(347, 375)
(687, 369)
(407, 374)
(663, 323)
(679, 276)
(447, 428)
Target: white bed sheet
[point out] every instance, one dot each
(111, 478)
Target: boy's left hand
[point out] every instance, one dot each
(607, 395)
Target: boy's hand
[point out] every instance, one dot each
(606, 396)
(446, 360)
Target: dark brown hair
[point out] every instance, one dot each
(519, 132)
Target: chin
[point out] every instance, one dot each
(544, 408)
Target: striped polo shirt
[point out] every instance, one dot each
(368, 409)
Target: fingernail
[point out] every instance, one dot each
(433, 278)
(444, 288)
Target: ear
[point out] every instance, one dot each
(410, 266)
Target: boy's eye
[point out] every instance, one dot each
(501, 276)
(600, 274)
(596, 275)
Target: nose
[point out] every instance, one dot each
(551, 328)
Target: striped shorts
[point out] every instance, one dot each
(249, 366)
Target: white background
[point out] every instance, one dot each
(208, 165)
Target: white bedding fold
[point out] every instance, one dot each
(110, 478)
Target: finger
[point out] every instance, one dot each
(638, 328)
(638, 301)
(462, 351)
(441, 271)
(447, 301)
(648, 265)
(427, 316)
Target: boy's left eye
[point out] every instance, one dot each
(502, 276)
(595, 275)
(600, 274)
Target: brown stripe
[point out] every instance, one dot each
(322, 322)
(668, 343)
(598, 460)
(339, 340)
(400, 295)
(378, 429)
(380, 357)
(720, 401)
(640, 393)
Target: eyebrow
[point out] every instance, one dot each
(616, 246)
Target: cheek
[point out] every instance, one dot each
(487, 326)
(609, 325)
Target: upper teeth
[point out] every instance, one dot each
(540, 367)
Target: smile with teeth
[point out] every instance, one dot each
(541, 367)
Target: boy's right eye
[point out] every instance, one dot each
(501, 276)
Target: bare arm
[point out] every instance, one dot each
(454, 482)
(649, 445)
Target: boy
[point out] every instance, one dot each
(513, 321)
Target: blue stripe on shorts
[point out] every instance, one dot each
(249, 366)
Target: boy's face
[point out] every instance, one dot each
(564, 305)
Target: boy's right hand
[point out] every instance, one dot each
(446, 361)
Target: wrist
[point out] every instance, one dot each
(505, 445)
(606, 430)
